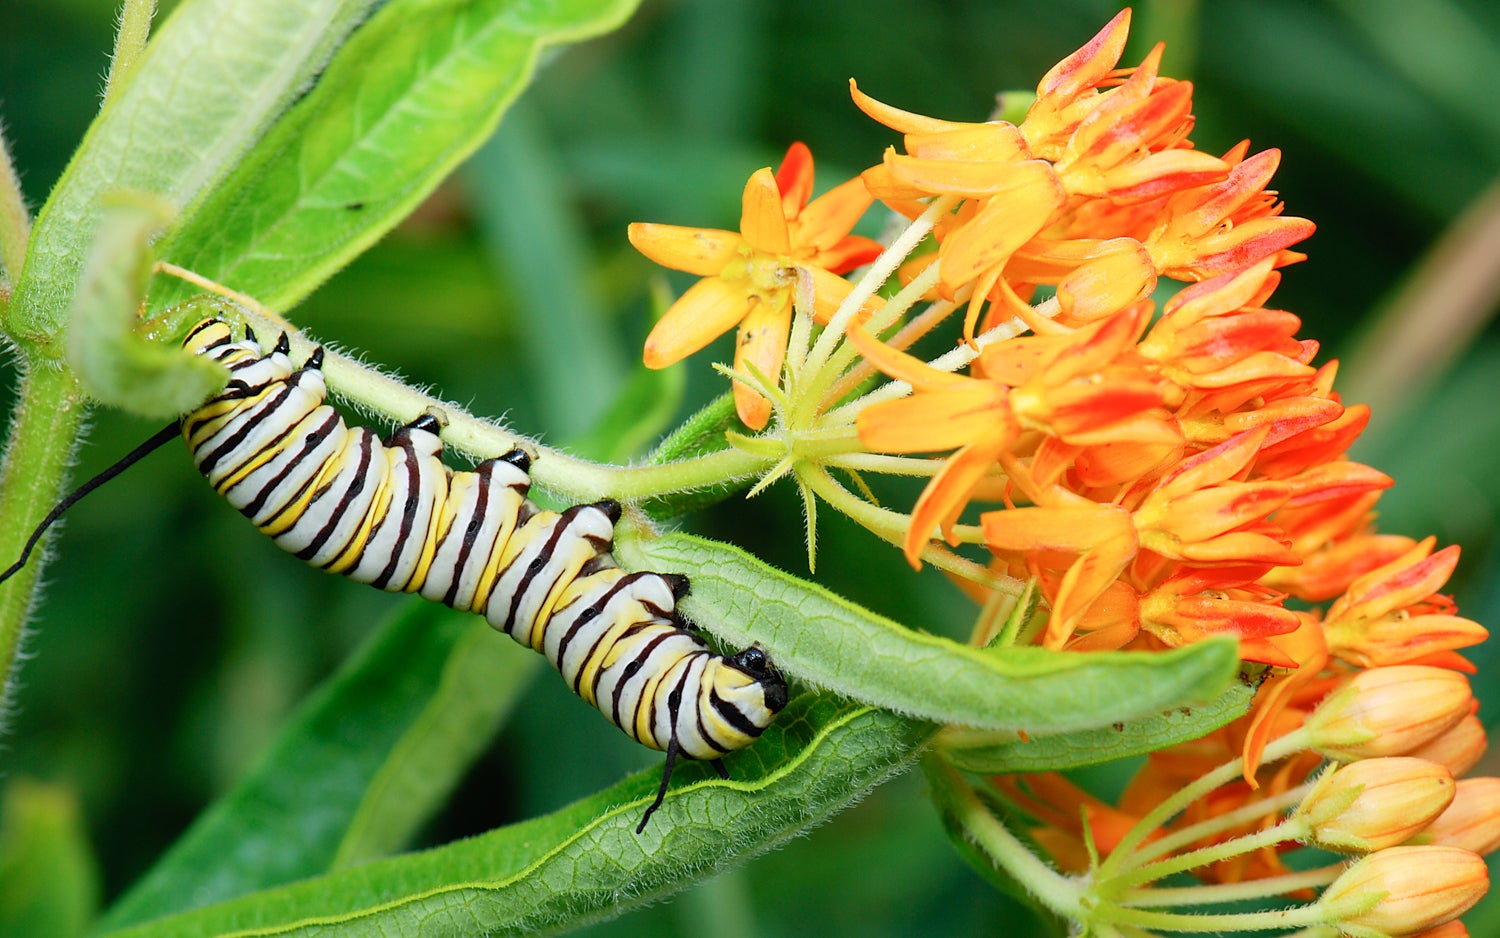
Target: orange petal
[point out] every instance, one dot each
(945, 496)
(902, 366)
(701, 251)
(1089, 65)
(998, 142)
(904, 121)
(827, 219)
(927, 423)
(795, 179)
(761, 343)
(1030, 197)
(762, 221)
(706, 311)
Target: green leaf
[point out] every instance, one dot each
(413, 92)
(991, 752)
(49, 882)
(115, 363)
(825, 640)
(205, 89)
(585, 862)
(347, 752)
(481, 683)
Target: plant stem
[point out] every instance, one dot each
(578, 479)
(135, 29)
(1123, 854)
(45, 427)
(1050, 887)
(1241, 815)
(1203, 856)
(1295, 917)
(1232, 892)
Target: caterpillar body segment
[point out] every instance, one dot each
(390, 513)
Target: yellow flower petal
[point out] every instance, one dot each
(701, 251)
(706, 311)
(762, 221)
(761, 343)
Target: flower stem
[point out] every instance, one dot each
(1231, 892)
(1123, 854)
(1294, 917)
(956, 798)
(1228, 821)
(891, 526)
(135, 29)
(569, 476)
(1213, 853)
(879, 273)
(45, 427)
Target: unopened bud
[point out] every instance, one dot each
(1389, 712)
(1404, 890)
(1460, 749)
(1472, 821)
(1376, 803)
(1453, 929)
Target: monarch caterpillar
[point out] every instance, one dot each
(392, 514)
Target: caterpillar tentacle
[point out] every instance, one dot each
(391, 514)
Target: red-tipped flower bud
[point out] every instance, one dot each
(1404, 890)
(1389, 712)
(1376, 803)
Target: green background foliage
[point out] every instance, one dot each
(174, 643)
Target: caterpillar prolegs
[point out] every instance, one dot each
(390, 513)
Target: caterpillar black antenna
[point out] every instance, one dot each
(158, 439)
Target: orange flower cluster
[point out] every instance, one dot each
(1182, 477)
(1179, 478)
(1164, 478)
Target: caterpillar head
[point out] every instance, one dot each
(752, 683)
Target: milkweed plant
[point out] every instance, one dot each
(1034, 353)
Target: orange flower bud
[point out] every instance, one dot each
(1389, 712)
(1404, 890)
(1460, 749)
(1472, 821)
(1376, 803)
(1453, 929)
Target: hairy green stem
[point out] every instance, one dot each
(1295, 917)
(555, 470)
(47, 422)
(1222, 822)
(135, 29)
(1123, 854)
(1290, 829)
(956, 798)
(1232, 892)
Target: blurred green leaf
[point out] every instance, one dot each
(586, 862)
(205, 89)
(482, 681)
(991, 752)
(366, 145)
(348, 751)
(641, 411)
(820, 637)
(49, 885)
(115, 363)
